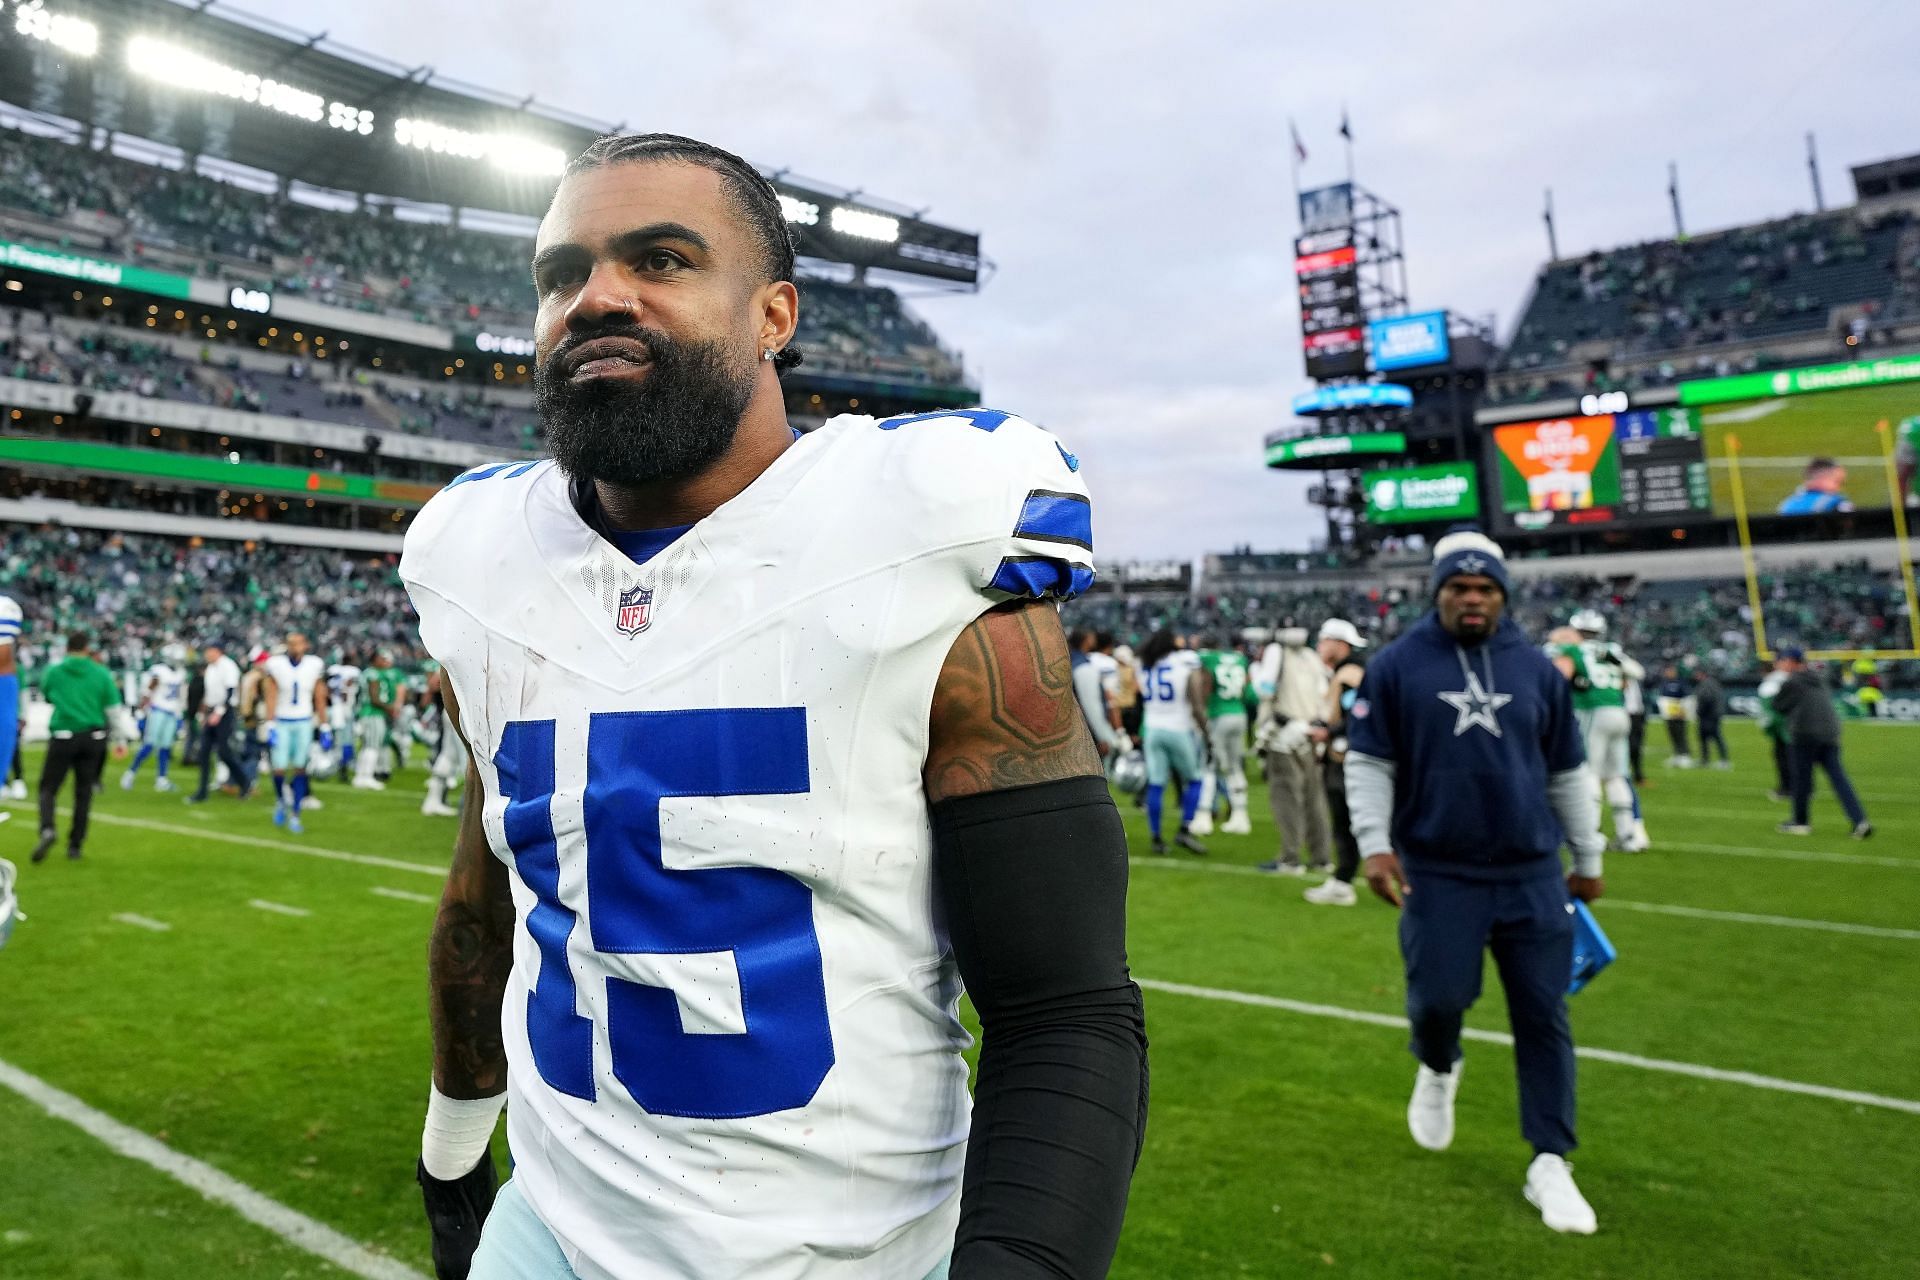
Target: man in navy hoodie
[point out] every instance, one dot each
(1465, 774)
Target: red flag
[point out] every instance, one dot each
(1299, 147)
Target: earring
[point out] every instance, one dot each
(766, 353)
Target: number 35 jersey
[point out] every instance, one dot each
(730, 1025)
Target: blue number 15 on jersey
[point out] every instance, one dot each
(639, 906)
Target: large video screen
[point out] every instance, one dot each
(1803, 450)
(1642, 466)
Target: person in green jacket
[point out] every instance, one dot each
(81, 692)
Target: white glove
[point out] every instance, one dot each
(1291, 737)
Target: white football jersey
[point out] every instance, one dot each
(1163, 692)
(730, 1025)
(10, 620)
(165, 688)
(343, 691)
(293, 684)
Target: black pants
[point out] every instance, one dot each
(1446, 926)
(1709, 736)
(85, 754)
(1806, 755)
(217, 740)
(1677, 735)
(1783, 766)
(1346, 850)
(1637, 744)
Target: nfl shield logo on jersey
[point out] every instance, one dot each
(635, 611)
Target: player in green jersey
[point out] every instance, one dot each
(1599, 673)
(1906, 459)
(1230, 698)
(373, 726)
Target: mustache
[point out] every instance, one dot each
(659, 346)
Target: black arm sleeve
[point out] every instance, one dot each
(1033, 882)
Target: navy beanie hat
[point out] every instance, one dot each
(1466, 550)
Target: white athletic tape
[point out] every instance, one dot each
(290, 1225)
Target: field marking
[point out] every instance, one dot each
(289, 1224)
(403, 895)
(1749, 814)
(261, 842)
(278, 908)
(1788, 855)
(142, 922)
(1697, 1071)
(1607, 903)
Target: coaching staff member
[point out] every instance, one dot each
(80, 691)
(1465, 773)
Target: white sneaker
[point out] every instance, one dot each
(369, 784)
(1237, 825)
(1430, 1113)
(435, 809)
(1550, 1189)
(1334, 893)
(311, 802)
(1636, 841)
(126, 780)
(163, 784)
(17, 789)
(1202, 824)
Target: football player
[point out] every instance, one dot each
(296, 688)
(1173, 689)
(1599, 673)
(773, 745)
(163, 700)
(374, 724)
(1230, 698)
(11, 618)
(449, 764)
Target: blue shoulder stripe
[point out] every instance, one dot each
(1049, 516)
(1041, 578)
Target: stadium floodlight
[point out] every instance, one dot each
(864, 224)
(507, 151)
(342, 116)
(75, 35)
(175, 65)
(804, 212)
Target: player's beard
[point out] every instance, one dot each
(674, 423)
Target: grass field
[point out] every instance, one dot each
(1777, 437)
(290, 1051)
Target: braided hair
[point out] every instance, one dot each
(753, 196)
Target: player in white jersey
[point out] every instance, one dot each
(11, 620)
(1173, 731)
(296, 689)
(449, 764)
(774, 743)
(163, 700)
(343, 701)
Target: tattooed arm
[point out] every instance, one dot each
(1004, 714)
(470, 953)
(1030, 866)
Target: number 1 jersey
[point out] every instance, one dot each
(730, 1026)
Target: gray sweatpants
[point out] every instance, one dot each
(1299, 802)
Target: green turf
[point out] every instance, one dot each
(1775, 445)
(291, 1053)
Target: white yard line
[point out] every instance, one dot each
(1606, 904)
(403, 895)
(1783, 855)
(261, 842)
(1694, 1069)
(290, 1225)
(142, 922)
(278, 908)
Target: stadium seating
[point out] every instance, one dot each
(1593, 322)
(377, 263)
(137, 592)
(1707, 621)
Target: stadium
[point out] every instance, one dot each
(265, 299)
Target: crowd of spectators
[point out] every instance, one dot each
(374, 261)
(138, 592)
(1770, 281)
(1706, 622)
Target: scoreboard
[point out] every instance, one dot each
(1333, 334)
(1645, 466)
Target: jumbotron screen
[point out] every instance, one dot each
(1333, 334)
(1639, 467)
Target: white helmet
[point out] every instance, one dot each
(1588, 621)
(175, 653)
(1130, 772)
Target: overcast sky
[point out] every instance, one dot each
(1126, 165)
